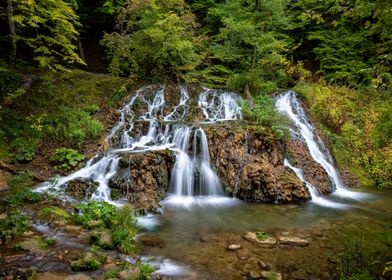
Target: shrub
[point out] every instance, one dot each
(12, 225)
(45, 243)
(121, 223)
(265, 114)
(66, 159)
(88, 261)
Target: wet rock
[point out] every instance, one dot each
(250, 165)
(150, 240)
(313, 171)
(271, 275)
(102, 238)
(128, 273)
(262, 265)
(144, 178)
(293, 241)
(233, 247)
(81, 187)
(252, 237)
(32, 245)
(78, 277)
(242, 256)
(254, 275)
(206, 237)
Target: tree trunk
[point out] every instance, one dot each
(12, 32)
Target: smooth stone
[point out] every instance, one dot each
(262, 265)
(150, 240)
(254, 275)
(234, 247)
(271, 275)
(78, 277)
(129, 273)
(293, 241)
(252, 237)
(242, 256)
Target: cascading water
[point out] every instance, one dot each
(145, 125)
(289, 105)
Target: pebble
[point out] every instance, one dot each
(234, 247)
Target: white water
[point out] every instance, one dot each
(289, 105)
(143, 126)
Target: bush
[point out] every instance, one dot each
(265, 114)
(102, 215)
(66, 159)
(12, 225)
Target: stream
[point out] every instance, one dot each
(198, 221)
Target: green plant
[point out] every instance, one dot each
(17, 247)
(23, 196)
(101, 212)
(45, 243)
(12, 225)
(112, 273)
(264, 113)
(54, 211)
(145, 271)
(88, 261)
(261, 235)
(65, 159)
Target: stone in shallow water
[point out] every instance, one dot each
(234, 247)
(254, 275)
(242, 256)
(129, 274)
(262, 265)
(150, 240)
(271, 275)
(252, 237)
(293, 241)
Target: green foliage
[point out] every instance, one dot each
(112, 273)
(88, 261)
(261, 235)
(54, 211)
(155, 39)
(66, 159)
(19, 190)
(46, 242)
(145, 271)
(48, 27)
(358, 126)
(247, 52)
(121, 223)
(264, 114)
(12, 225)
(351, 40)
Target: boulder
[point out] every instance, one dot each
(144, 178)
(81, 188)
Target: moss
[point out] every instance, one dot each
(49, 212)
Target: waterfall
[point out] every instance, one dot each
(289, 105)
(146, 124)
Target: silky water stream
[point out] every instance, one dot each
(198, 221)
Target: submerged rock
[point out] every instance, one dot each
(269, 242)
(150, 240)
(233, 247)
(293, 241)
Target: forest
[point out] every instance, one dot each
(68, 66)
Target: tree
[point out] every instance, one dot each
(47, 27)
(155, 39)
(247, 53)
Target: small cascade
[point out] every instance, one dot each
(148, 123)
(209, 183)
(219, 106)
(289, 105)
(316, 198)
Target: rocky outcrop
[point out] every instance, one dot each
(144, 178)
(249, 162)
(81, 188)
(314, 173)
